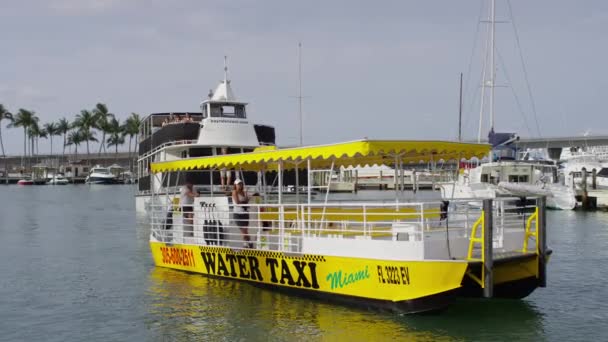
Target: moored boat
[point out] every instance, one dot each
(57, 179)
(25, 182)
(100, 175)
(222, 126)
(405, 256)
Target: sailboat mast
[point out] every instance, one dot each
(492, 62)
(460, 111)
(483, 86)
(300, 90)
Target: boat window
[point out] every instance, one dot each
(201, 152)
(484, 178)
(523, 179)
(228, 111)
(204, 111)
(512, 178)
(216, 111)
(240, 112)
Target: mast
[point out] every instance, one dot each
(300, 89)
(483, 89)
(491, 82)
(492, 61)
(460, 111)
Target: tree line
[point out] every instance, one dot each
(83, 129)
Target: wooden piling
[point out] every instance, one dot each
(585, 194)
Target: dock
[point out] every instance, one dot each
(74, 167)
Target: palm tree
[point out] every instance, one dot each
(102, 117)
(116, 135)
(35, 132)
(75, 138)
(84, 122)
(132, 129)
(52, 129)
(25, 119)
(42, 133)
(63, 127)
(86, 137)
(4, 114)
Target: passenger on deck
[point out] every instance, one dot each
(186, 200)
(188, 118)
(165, 122)
(177, 119)
(241, 214)
(225, 174)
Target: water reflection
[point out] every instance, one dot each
(188, 305)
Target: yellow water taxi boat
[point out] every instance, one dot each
(401, 253)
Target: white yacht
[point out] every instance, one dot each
(511, 178)
(56, 179)
(100, 175)
(221, 127)
(573, 174)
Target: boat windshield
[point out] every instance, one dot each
(100, 170)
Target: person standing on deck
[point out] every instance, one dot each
(241, 214)
(225, 174)
(186, 200)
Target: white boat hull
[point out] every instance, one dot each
(558, 196)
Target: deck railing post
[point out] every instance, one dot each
(542, 242)
(488, 261)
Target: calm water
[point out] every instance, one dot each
(75, 266)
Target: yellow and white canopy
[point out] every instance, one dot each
(354, 153)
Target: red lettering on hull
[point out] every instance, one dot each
(177, 256)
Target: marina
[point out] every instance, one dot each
(322, 183)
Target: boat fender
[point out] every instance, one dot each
(205, 215)
(220, 235)
(443, 209)
(169, 219)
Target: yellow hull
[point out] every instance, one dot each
(514, 277)
(407, 286)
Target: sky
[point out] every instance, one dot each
(375, 69)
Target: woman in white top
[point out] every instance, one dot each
(241, 214)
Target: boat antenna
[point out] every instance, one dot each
(300, 90)
(460, 111)
(226, 69)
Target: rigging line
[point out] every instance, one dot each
(475, 40)
(519, 106)
(473, 102)
(523, 64)
(470, 102)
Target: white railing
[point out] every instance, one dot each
(170, 143)
(342, 227)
